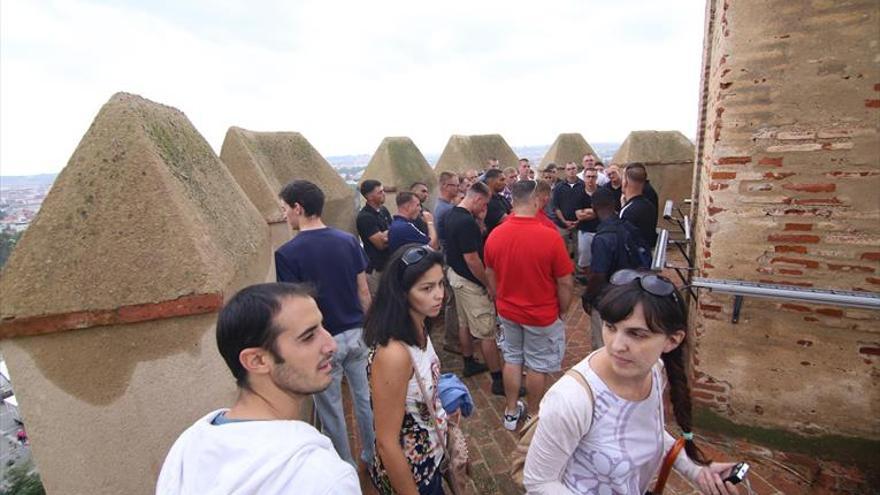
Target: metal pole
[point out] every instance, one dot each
(853, 299)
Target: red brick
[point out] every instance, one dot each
(818, 201)
(699, 394)
(873, 280)
(710, 387)
(837, 313)
(790, 249)
(850, 268)
(871, 351)
(710, 307)
(813, 188)
(799, 226)
(723, 175)
(785, 282)
(810, 318)
(43, 324)
(803, 238)
(778, 175)
(796, 307)
(870, 256)
(770, 162)
(877, 87)
(734, 160)
(872, 103)
(796, 261)
(839, 173)
(718, 186)
(715, 209)
(787, 271)
(838, 146)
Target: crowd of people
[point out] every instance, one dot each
(498, 258)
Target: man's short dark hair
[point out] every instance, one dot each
(479, 188)
(637, 173)
(551, 167)
(602, 199)
(417, 183)
(368, 186)
(492, 173)
(522, 191)
(404, 197)
(248, 320)
(307, 194)
(524, 160)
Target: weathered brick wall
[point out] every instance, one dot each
(789, 192)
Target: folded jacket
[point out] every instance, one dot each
(455, 395)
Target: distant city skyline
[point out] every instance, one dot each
(348, 74)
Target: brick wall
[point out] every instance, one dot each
(788, 186)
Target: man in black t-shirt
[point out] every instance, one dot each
(568, 197)
(499, 207)
(467, 276)
(615, 185)
(588, 223)
(638, 209)
(372, 224)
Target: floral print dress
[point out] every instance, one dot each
(418, 434)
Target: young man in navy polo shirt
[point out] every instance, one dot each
(403, 228)
(334, 262)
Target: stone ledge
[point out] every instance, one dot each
(193, 304)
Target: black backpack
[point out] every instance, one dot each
(632, 251)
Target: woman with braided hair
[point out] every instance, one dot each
(609, 437)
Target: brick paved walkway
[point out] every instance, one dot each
(772, 472)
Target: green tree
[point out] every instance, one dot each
(8, 240)
(22, 480)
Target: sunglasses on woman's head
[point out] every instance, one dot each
(415, 254)
(654, 284)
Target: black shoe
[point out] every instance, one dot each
(498, 389)
(472, 368)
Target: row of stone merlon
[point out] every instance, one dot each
(145, 213)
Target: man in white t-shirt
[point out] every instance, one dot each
(271, 337)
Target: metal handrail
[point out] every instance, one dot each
(852, 299)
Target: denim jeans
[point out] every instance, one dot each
(351, 359)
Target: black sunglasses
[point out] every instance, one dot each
(412, 256)
(654, 284)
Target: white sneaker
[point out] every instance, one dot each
(510, 420)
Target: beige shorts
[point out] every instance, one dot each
(473, 306)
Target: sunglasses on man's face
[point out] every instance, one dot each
(654, 284)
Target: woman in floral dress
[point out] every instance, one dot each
(408, 449)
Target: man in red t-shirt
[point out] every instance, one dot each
(528, 267)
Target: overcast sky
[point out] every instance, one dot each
(347, 74)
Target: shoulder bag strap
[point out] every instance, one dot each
(672, 455)
(666, 468)
(584, 383)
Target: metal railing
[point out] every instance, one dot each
(742, 288)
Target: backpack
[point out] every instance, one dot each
(633, 252)
(518, 459)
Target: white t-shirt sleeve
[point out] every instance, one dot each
(565, 417)
(346, 484)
